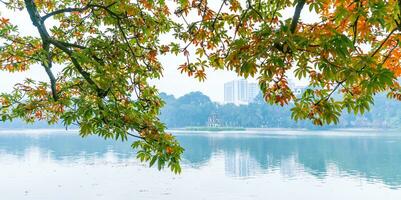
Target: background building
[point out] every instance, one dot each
(240, 92)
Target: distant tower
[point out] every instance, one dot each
(213, 120)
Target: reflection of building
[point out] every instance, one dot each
(240, 92)
(240, 164)
(289, 167)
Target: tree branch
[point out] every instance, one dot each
(384, 41)
(296, 16)
(88, 6)
(331, 93)
(38, 22)
(252, 8)
(64, 11)
(71, 45)
(372, 55)
(135, 136)
(389, 53)
(217, 15)
(355, 30)
(48, 70)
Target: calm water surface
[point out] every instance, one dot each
(49, 164)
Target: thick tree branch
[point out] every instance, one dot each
(35, 18)
(296, 16)
(48, 65)
(280, 46)
(38, 22)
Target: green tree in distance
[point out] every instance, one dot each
(110, 49)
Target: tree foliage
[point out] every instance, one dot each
(110, 49)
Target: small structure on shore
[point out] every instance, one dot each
(213, 120)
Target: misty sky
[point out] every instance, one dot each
(172, 82)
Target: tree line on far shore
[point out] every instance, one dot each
(195, 109)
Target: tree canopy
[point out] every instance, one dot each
(109, 50)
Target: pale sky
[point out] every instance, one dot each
(172, 82)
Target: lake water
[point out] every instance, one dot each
(270, 164)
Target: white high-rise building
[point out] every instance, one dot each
(240, 92)
(253, 91)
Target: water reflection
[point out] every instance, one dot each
(374, 158)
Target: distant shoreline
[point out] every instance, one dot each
(206, 128)
(210, 130)
(243, 129)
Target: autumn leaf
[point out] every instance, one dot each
(200, 75)
(4, 21)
